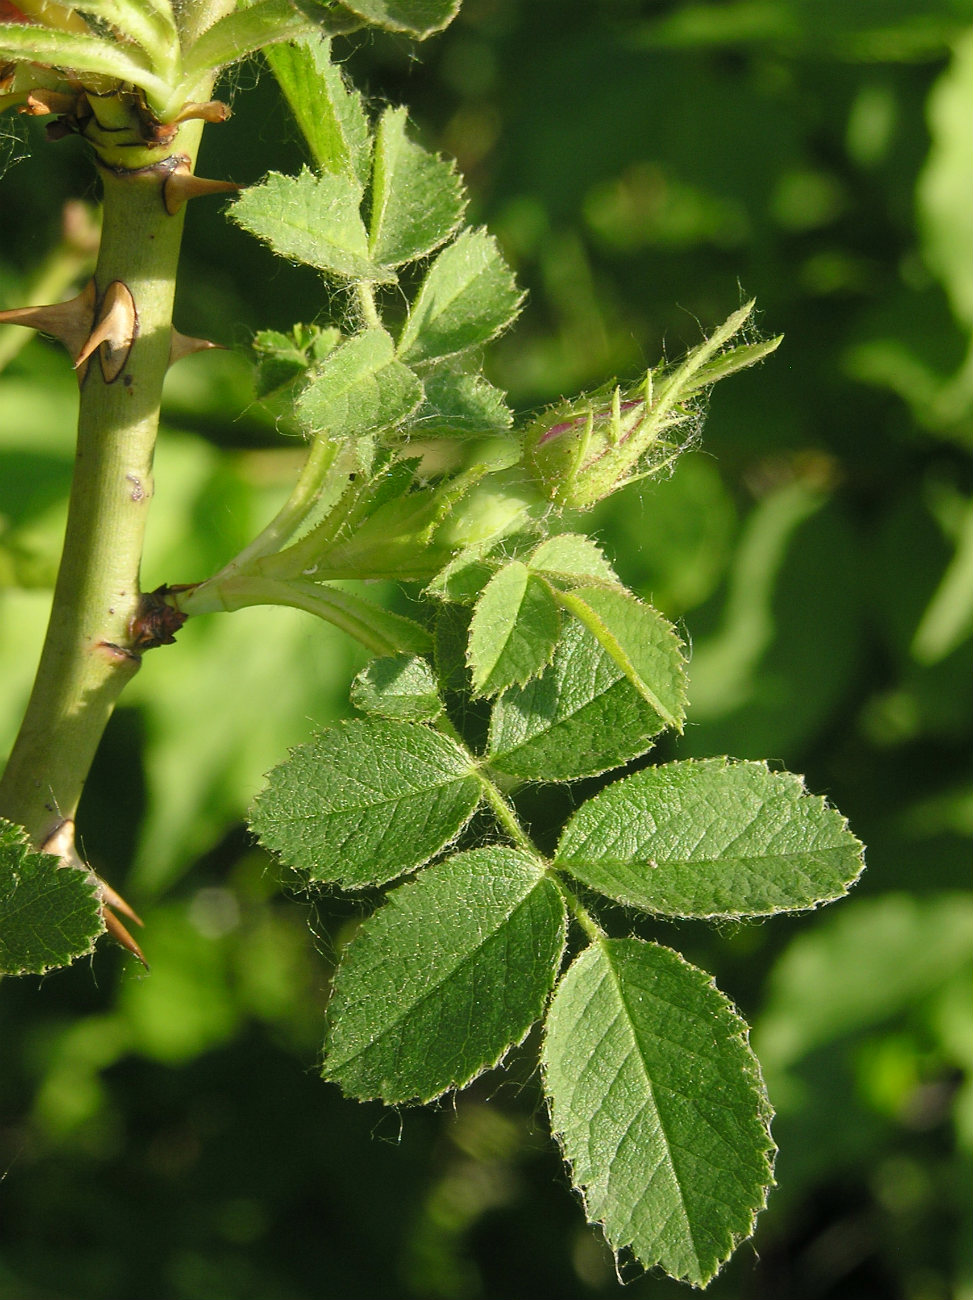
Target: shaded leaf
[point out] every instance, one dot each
(49, 914)
(359, 387)
(420, 1007)
(459, 402)
(711, 839)
(397, 686)
(658, 1103)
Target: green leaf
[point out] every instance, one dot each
(417, 197)
(467, 297)
(514, 630)
(711, 839)
(311, 219)
(581, 717)
(282, 358)
(570, 558)
(418, 18)
(397, 686)
(641, 642)
(330, 114)
(659, 1107)
(446, 977)
(459, 402)
(49, 914)
(359, 388)
(81, 53)
(366, 801)
(243, 32)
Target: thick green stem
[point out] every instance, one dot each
(87, 657)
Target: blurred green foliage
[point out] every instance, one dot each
(165, 1135)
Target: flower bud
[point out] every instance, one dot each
(584, 450)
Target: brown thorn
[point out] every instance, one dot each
(118, 932)
(181, 185)
(114, 332)
(212, 111)
(184, 345)
(69, 322)
(111, 898)
(41, 101)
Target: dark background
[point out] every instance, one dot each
(645, 166)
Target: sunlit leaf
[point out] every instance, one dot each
(659, 1107)
(449, 974)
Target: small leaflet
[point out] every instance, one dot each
(330, 114)
(711, 839)
(467, 298)
(366, 801)
(397, 686)
(359, 388)
(417, 197)
(659, 1107)
(570, 558)
(514, 630)
(311, 219)
(459, 403)
(582, 716)
(446, 977)
(419, 18)
(640, 641)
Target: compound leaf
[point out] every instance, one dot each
(448, 975)
(364, 802)
(658, 1103)
(49, 914)
(711, 839)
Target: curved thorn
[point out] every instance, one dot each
(118, 932)
(115, 329)
(111, 898)
(213, 111)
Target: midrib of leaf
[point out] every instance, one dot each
(414, 792)
(667, 1158)
(434, 989)
(596, 626)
